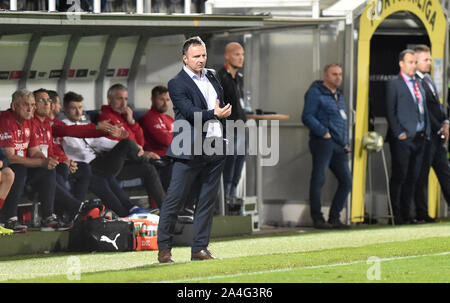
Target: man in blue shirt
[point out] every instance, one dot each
(325, 115)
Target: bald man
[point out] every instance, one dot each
(232, 82)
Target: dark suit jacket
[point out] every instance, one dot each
(401, 109)
(435, 109)
(187, 99)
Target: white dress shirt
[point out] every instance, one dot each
(82, 150)
(210, 94)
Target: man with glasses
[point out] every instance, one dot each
(66, 202)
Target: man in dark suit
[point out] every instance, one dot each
(435, 153)
(197, 99)
(409, 129)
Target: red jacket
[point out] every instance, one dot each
(60, 129)
(158, 131)
(44, 136)
(21, 137)
(135, 132)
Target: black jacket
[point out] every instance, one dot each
(401, 109)
(435, 108)
(233, 92)
(188, 101)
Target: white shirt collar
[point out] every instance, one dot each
(192, 74)
(420, 74)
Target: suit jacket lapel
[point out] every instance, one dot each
(194, 87)
(214, 82)
(428, 81)
(406, 89)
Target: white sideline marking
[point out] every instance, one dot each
(307, 267)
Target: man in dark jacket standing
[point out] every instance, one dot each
(435, 154)
(409, 130)
(197, 99)
(232, 82)
(325, 115)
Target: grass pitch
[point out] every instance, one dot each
(414, 253)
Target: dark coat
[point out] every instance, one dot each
(321, 113)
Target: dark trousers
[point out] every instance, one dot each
(80, 180)
(165, 173)
(407, 156)
(327, 154)
(123, 162)
(203, 173)
(234, 164)
(42, 181)
(112, 162)
(150, 178)
(71, 189)
(109, 191)
(435, 155)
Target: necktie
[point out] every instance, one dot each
(416, 90)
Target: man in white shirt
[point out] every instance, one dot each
(198, 104)
(105, 156)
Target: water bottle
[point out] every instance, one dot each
(143, 231)
(248, 102)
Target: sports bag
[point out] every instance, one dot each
(102, 235)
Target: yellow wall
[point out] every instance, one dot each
(432, 16)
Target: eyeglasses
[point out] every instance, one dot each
(44, 100)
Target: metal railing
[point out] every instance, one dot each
(142, 6)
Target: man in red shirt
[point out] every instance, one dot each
(158, 130)
(119, 113)
(65, 202)
(156, 124)
(20, 143)
(158, 133)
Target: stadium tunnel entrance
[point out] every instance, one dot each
(386, 28)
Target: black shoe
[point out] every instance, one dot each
(411, 221)
(338, 225)
(53, 223)
(426, 219)
(321, 224)
(15, 226)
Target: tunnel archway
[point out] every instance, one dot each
(431, 15)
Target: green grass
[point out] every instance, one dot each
(407, 254)
(417, 269)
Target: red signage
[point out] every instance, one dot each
(16, 74)
(123, 72)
